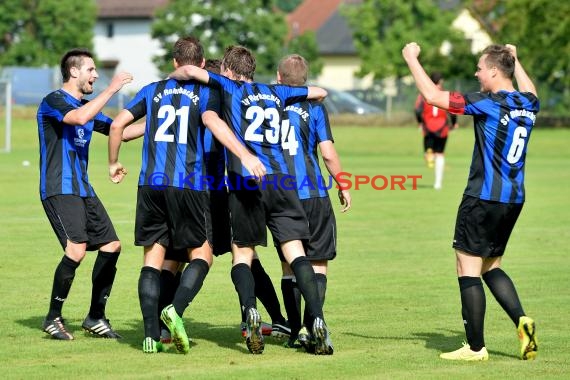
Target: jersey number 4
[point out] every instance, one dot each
(280, 132)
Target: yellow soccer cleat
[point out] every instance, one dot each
(527, 337)
(466, 354)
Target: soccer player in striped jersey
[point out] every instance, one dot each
(253, 110)
(308, 128)
(493, 199)
(173, 199)
(66, 123)
(221, 242)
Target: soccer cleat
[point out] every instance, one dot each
(151, 346)
(466, 354)
(165, 337)
(266, 329)
(280, 330)
(99, 327)
(306, 340)
(56, 328)
(176, 326)
(253, 335)
(292, 342)
(323, 343)
(527, 337)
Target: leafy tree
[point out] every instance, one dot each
(382, 27)
(288, 5)
(255, 24)
(36, 33)
(306, 45)
(541, 36)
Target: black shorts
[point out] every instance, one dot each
(221, 229)
(322, 226)
(435, 143)
(483, 227)
(270, 205)
(180, 255)
(80, 220)
(179, 218)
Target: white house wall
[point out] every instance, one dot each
(133, 48)
(338, 73)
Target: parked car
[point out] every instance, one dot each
(338, 102)
(373, 96)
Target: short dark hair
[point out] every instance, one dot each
(436, 77)
(293, 70)
(73, 58)
(213, 65)
(188, 51)
(500, 57)
(240, 60)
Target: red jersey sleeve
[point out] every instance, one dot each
(456, 103)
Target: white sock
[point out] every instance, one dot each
(439, 166)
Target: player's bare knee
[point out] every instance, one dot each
(114, 246)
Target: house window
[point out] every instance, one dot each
(110, 30)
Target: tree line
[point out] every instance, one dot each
(35, 33)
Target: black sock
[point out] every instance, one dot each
(190, 284)
(292, 307)
(322, 289)
(321, 286)
(62, 280)
(168, 285)
(307, 283)
(244, 285)
(473, 306)
(102, 279)
(505, 293)
(298, 296)
(265, 292)
(149, 292)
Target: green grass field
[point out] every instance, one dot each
(392, 302)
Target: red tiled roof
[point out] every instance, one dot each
(128, 8)
(311, 15)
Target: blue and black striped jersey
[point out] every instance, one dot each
(64, 148)
(253, 111)
(215, 158)
(173, 146)
(305, 125)
(503, 123)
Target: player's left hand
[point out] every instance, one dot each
(345, 200)
(513, 50)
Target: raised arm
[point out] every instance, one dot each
(316, 93)
(83, 114)
(116, 170)
(188, 72)
(225, 136)
(332, 163)
(524, 82)
(425, 85)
